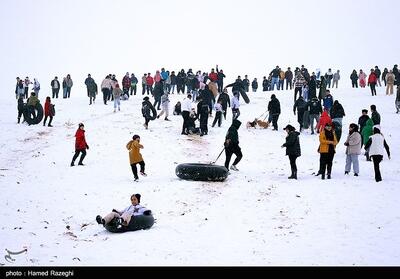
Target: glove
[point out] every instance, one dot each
(87, 146)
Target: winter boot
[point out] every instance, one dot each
(293, 176)
(323, 176)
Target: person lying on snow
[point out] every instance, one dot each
(124, 216)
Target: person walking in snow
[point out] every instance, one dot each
(362, 77)
(375, 145)
(165, 106)
(353, 145)
(372, 80)
(225, 101)
(117, 93)
(55, 87)
(147, 110)
(135, 157)
(69, 83)
(336, 78)
(293, 150)
(232, 145)
(48, 111)
(124, 216)
(218, 114)
(235, 106)
(80, 145)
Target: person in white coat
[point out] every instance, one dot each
(353, 149)
(124, 216)
(165, 106)
(186, 107)
(235, 106)
(376, 145)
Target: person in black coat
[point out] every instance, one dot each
(274, 108)
(293, 150)
(354, 79)
(20, 107)
(232, 145)
(226, 101)
(301, 106)
(202, 113)
(147, 110)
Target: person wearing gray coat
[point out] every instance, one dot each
(353, 149)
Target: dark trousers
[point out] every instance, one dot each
(149, 88)
(133, 89)
(68, 92)
(292, 159)
(204, 123)
(77, 154)
(354, 83)
(300, 118)
(185, 116)
(20, 112)
(373, 88)
(229, 151)
(134, 168)
(26, 92)
(55, 92)
(377, 159)
(106, 92)
(297, 90)
(218, 117)
(143, 88)
(220, 86)
(45, 119)
(289, 84)
(326, 160)
(275, 118)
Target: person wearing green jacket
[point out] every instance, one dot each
(366, 132)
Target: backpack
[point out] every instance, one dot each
(52, 110)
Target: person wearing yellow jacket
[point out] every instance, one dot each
(135, 157)
(328, 142)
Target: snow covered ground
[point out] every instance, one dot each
(257, 217)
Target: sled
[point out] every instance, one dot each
(245, 97)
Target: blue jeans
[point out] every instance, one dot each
(273, 82)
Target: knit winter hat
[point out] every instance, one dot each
(135, 137)
(81, 125)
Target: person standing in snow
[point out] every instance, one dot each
(254, 85)
(225, 101)
(134, 82)
(293, 150)
(218, 114)
(375, 146)
(232, 145)
(55, 87)
(336, 78)
(80, 145)
(69, 85)
(20, 107)
(36, 87)
(48, 111)
(124, 216)
(235, 106)
(353, 149)
(135, 157)
(147, 109)
(328, 142)
(372, 80)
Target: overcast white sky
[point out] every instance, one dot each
(44, 38)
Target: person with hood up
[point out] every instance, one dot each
(80, 145)
(375, 145)
(325, 119)
(147, 109)
(293, 150)
(232, 145)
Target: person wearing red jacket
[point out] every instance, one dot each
(80, 145)
(372, 80)
(48, 111)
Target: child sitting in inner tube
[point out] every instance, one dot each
(124, 216)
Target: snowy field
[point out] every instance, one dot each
(257, 217)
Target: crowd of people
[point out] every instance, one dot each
(204, 92)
